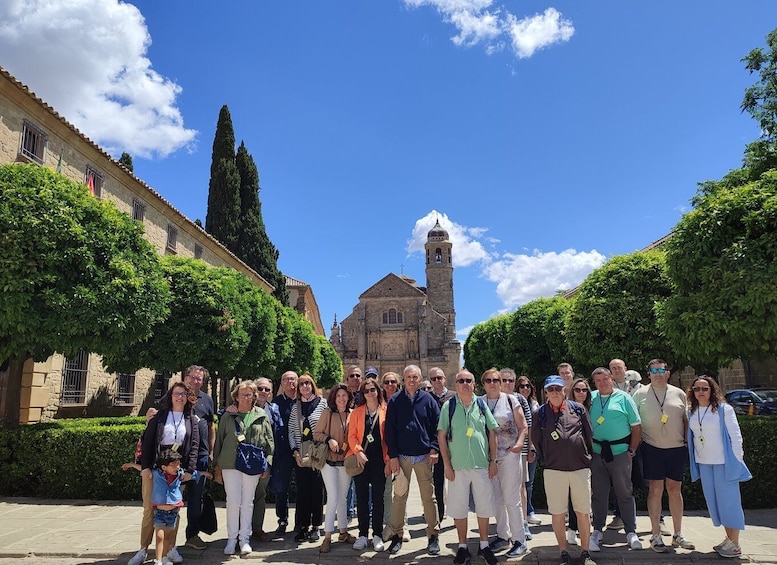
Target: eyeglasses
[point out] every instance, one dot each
(428, 388)
(554, 388)
(370, 390)
(263, 389)
(437, 379)
(195, 379)
(180, 394)
(701, 389)
(249, 395)
(305, 383)
(508, 380)
(465, 381)
(657, 370)
(389, 382)
(580, 390)
(491, 381)
(524, 385)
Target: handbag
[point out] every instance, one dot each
(312, 453)
(249, 459)
(352, 466)
(208, 522)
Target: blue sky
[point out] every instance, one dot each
(547, 136)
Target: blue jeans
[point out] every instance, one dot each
(530, 486)
(194, 490)
(165, 518)
(279, 484)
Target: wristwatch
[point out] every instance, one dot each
(631, 452)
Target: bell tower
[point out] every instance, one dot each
(439, 273)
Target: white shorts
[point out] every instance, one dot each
(458, 494)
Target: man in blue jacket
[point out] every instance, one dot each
(411, 438)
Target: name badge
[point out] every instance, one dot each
(554, 435)
(241, 437)
(344, 446)
(470, 431)
(370, 439)
(664, 418)
(600, 420)
(306, 432)
(175, 447)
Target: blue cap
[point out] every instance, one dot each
(371, 371)
(553, 380)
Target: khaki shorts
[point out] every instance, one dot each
(559, 485)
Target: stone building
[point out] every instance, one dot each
(398, 322)
(301, 298)
(32, 131)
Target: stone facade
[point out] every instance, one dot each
(397, 322)
(302, 300)
(60, 146)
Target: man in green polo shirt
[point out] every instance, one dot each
(469, 453)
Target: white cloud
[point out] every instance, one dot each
(467, 250)
(538, 31)
(478, 21)
(521, 278)
(87, 59)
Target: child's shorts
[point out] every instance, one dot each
(165, 518)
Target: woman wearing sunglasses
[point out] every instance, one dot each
(580, 393)
(526, 389)
(717, 456)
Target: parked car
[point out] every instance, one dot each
(753, 401)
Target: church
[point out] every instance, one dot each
(397, 322)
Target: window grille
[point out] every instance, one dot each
(74, 378)
(125, 389)
(94, 181)
(138, 210)
(33, 142)
(172, 237)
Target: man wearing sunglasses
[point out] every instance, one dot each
(411, 438)
(263, 395)
(468, 449)
(441, 394)
(663, 410)
(561, 434)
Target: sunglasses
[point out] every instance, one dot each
(437, 379)
(580, 390)
(508, 380)
(554, 388)
(370, 390)
(305, 383)
(491, 381)
(701, 389)
(524, 385)
(428, 388)
(263, 389)
(465, 381)
(355, 376)
(389, 382)
(657, 371)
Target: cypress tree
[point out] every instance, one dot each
(126, 160)
(254, 246)
(223, 217)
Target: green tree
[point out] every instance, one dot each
(223, 217)
(254, 246)
(75, 272)
(208, 323)
(331, 371)
(536, 337)
(722, 259)
(259, 356)
(613, 314)
(487, 345)
(126, 160)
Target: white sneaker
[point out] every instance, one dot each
(533, 520)
(405, 536)
(174, 556)
(361, 542)
(633, 541)
(596, 540)
(571, 537)
(245, 548)
(140, 557)
(229, 549)
(377, 543)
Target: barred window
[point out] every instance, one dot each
(33, 142)
(197, 251)
(138, 210)
(94, 181)
(125, 389)
(172, 237)
(161, 381)
(74, 374)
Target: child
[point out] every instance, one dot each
(167, 499)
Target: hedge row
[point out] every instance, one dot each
(82, 458)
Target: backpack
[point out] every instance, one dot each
(452, 409)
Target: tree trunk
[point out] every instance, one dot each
(10, 392)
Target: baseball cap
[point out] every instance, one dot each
(553, 380)
(371, 371)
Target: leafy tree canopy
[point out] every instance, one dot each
(536, 337)
(722, 259)
(487, 345)
(75, 273)
(613, 314)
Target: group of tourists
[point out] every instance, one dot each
(362, 444)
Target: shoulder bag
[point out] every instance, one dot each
(249, 459)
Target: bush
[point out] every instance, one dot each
(759, 492)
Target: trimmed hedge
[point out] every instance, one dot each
(760, 437)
